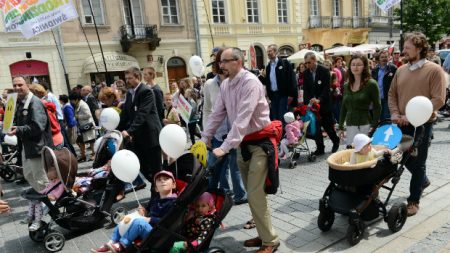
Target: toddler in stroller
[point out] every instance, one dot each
(292, 133)
(363, 151)
(354, 188)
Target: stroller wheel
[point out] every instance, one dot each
(54, 241)
(311, 158)
(397, 217)
(292, 164)
(7, 173)
(117, 214)
(214, 250)
(296, 155)
(325, 220)
(39, 235)
(355, 233)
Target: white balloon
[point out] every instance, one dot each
(125, 165)
(11, 140)
(196, 65)
(97, 144)
(418, 110)
(172, 139)
(109, 118)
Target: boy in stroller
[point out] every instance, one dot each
(198, 224)
(148, 217)
(363, 150)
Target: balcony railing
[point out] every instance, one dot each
(382, 21)
(139, 33)
(337, 22)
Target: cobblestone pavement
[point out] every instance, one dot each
(294, 214)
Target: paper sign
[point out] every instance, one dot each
(385, 5)
(387, 135)
(10, 108)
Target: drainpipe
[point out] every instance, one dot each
(196, 28)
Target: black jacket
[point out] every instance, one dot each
(319, 89)
(33, 127)
(389, 74)
(92, 102)
(286, 81)
(140, 119)
(159, 100)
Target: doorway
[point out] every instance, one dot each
(176, 69)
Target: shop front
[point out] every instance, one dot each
(116, 64)
(34, 70)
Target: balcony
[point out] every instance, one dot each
(139, 33)
(338, 22)
(320, 22)
(360, 22)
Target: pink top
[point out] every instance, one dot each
(293, 131)
(57, 192)
(243, 100)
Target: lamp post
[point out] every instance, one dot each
(401, 26)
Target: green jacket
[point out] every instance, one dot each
(356, 105)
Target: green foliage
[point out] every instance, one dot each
(432, 17)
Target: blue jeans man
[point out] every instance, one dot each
(219, 177)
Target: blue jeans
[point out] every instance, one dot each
(417, 165)
(219, 178)
(139, 228)
(385, 114)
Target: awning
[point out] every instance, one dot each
(329, 37)
(115, 61)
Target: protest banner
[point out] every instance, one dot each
(184, 108)
(385, 5)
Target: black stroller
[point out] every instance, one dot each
(354, 191)
(10, 164)
(168, 230)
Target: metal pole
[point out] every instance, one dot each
(401, 26)
(89, 44)
(66, 76)
(100, 44)
(197, 29)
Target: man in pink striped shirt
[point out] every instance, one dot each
(242, 100)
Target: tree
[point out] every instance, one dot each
(431, 17)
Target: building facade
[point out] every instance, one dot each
(141, 33)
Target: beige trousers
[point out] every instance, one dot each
(34, 173)
(253, 173)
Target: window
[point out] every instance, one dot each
(218, 11)
(252, 11)
(336, 8)
(356, 8)
(314, 8)
(135, 15)
(169, 11)
(97, 8)
(282, 11)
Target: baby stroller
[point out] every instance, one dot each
(10, 164)
(168, 230)
(354, 189)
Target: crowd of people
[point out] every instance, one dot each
(232, 105)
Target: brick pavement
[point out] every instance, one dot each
(294, 211)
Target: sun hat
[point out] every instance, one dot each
(361, 140)
(289, 117)
(163, 172)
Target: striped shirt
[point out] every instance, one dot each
(243, 100)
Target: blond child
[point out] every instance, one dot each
(363, 150)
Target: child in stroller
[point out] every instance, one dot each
(53, 190)
(363, 150)
(142, 224)
(293, 132)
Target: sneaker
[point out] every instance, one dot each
(35, 226)
(115, 247)
(412, 208)
(27, 221)
(102, 249)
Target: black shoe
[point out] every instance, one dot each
(318, 152)
(21, 181)
(240, 202)
(335, 147)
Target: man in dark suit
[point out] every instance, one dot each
(281, 85)
(149, 78)
(86, 94)
(384, 73)
(139, 121)
(317, 90)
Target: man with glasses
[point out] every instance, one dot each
(384, 73)
(149, 78)
(242, 100)
(317, 90)
(281, 85)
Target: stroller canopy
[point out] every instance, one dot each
(64, 162)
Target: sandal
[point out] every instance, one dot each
(250, 224)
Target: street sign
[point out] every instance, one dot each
(387, 135)
(252, 57)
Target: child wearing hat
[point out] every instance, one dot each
(142, 224)
(293, 132)
(364, 151)
(198, 224)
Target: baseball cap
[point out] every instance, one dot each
(163, 172)
(361, 140)
(214, 51)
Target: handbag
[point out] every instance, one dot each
(86, 127)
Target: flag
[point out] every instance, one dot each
(391, 48)
(34, 17)
(385, 5)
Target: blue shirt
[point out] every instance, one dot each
(273, 76)
(69, 115)
(380, 80)
(446, 64)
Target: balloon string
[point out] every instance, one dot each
(176, 168)
(135, 195)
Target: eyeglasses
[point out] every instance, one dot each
(227, 61)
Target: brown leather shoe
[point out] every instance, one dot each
(268, 249)
(254, 242)
(412, 208)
